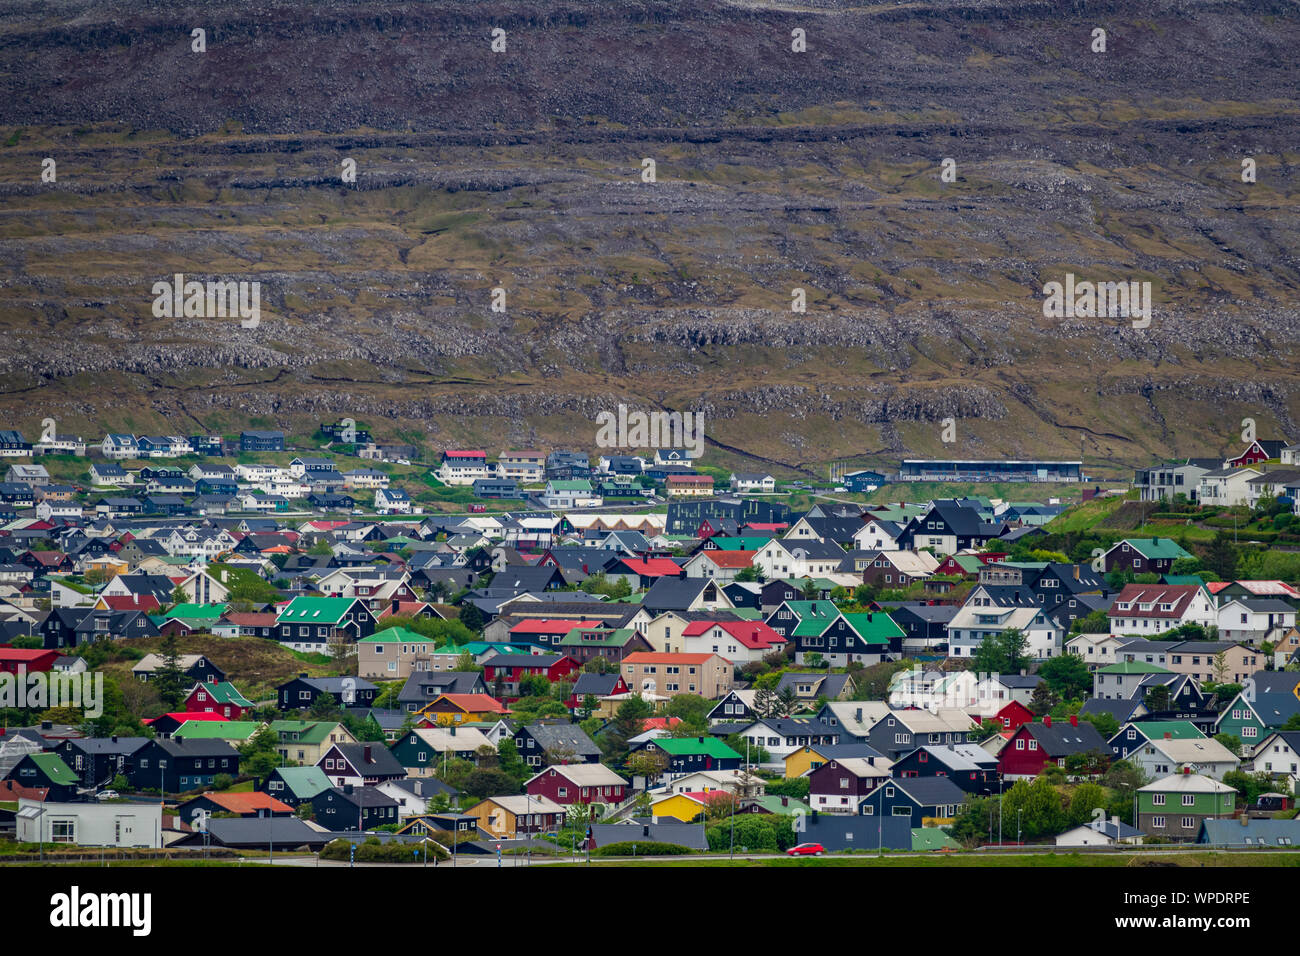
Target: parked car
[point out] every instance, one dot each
(806, 849)
(106, 795)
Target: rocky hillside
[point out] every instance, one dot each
(775, 170)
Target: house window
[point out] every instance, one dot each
(1189, 822)
(1158, 822)
(1158, 799)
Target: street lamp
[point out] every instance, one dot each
(1018, 830)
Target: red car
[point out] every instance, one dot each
(806, 849)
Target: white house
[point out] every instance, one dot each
(797, 559)
(972, 624)
(119, 447)
(1255, 620)
(1278, 754)
(877, 535)
(1229, 487)
(752, 482)
(392, 501)
(90, 824)
(1110, 833)
(1162, 756)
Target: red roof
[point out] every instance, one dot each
(767, 526)
(184, 715)
(753, 634)
(26, 655)
(249, 802)
(1258, 588)
(1178, 596)
(653, 657)
(659, 723)
(130, 602)
(403, 608)
(250, 618)
(476, 703)
(545, 625)
(731, 559)
(465, 454)
(654, 567)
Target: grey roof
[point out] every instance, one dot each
(1255, 832)
(381, 763)
(563, 737)
(674, 594)
(838, 831)
(1062, 739)
(260, 831)
(929, 791)
(1121, 710)
(425, 787)
(636, 831)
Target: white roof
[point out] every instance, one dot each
(584, 775)
(523, 803)
(441, 738)
(1193, 750)
(1187, 783)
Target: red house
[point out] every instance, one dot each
(32, 660)
(165, 724)
(578, 783)
(1033, 745)
(1013, 715)
(511, 668)
(218, 697)
(1257, 451)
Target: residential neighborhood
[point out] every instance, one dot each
(561, 675)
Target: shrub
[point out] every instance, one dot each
(372, 851)
(642, 849)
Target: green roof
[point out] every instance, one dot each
(1177, 729)
(575, 484)
(874, 627)
(396, 635)
(811, 624)
(747, 613)
(308, 731)
(1185, 579)
(316, 610)
(224, 692)
(604, 637)
(969, 563)
(1155, 549)
(745, 543)
(196, 611)
(932, 838)
(217, 729)
(1133, 667)
(304, 782)
(55, 769)
(685, 746)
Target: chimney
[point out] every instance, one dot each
(1245, 819)
(347, 788)
(366, 753)
(1168, 735)
(1074, 720)
(303, 674)
(1187, 771)
(1047, 720)
(857, 714)
(1076, 572)
(114, 738)
(645, 830)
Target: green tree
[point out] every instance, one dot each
(1157, 699)
(1221, 557)
(1086, 798)
(1043, 699)
(1068, 676)
(324, 707)
(465, 663)
(260, 754)
(1002, 652)
(1230, 741)
(510, 763)
(472, 617)
(169, 680)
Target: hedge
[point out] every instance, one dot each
(372, 851)
(642, 849)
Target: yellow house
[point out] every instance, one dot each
(680, 806)
(111, 567)
(803, 760)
